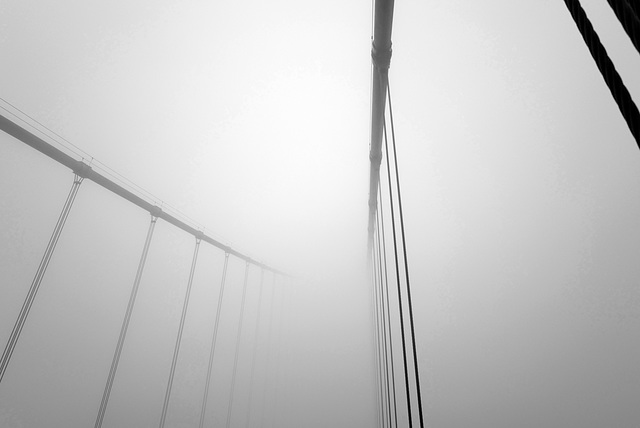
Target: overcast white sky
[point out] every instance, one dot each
(520, 186)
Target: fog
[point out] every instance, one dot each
(250, 121)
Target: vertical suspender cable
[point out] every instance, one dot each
(611, 77)
(255, 347)
(406, 263)
(386, 324)
(383, 257)
(213, 342)
(378, 361)
(276, 390)
(37, 280)
(125, 324)
(383, 330)
(235, 359)
(395, 253)
(266, 378)
(176, 349)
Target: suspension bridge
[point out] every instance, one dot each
(194, 331)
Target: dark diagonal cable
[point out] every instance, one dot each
(395, 253)
(383, 257)
(125, 325)
(406, 263)
(176, 350)
(255, 347)
(611, 77)
(37, 280)
(213, 341)
(235, 358)
(628, 19)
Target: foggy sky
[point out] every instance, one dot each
(520, 188)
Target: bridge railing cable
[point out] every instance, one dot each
(58, 155)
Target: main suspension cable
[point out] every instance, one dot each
(176, 349)
(213, 341)
(406, 263)
(125, 325)
(37, 280)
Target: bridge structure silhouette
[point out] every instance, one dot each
(397, 373)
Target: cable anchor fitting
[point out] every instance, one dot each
(381, 58)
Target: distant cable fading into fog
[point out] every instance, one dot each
(94, 163)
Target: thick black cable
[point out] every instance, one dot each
(176, 349)
(255, 347)
(125, 325)
(381, 232)
(37, 280)
(628, 19)
(235, 358)
(635, 7)
(406, 263)
(395, 253)
(611, 77)
(213, 341)
(385, 316)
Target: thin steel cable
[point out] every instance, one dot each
(176, 350)
(386, 320)
(381, 232)
(609, 73)
(37, 280)
(395, 253)
(125, 326)
(378, 359)
(41, 131)
(276, 392)
(628, 19)
(255, 347)
(406, 263)
(269, 332)
(213, 342)
(111, 177)
(63, 142)
(235, 359)
(383, 327)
